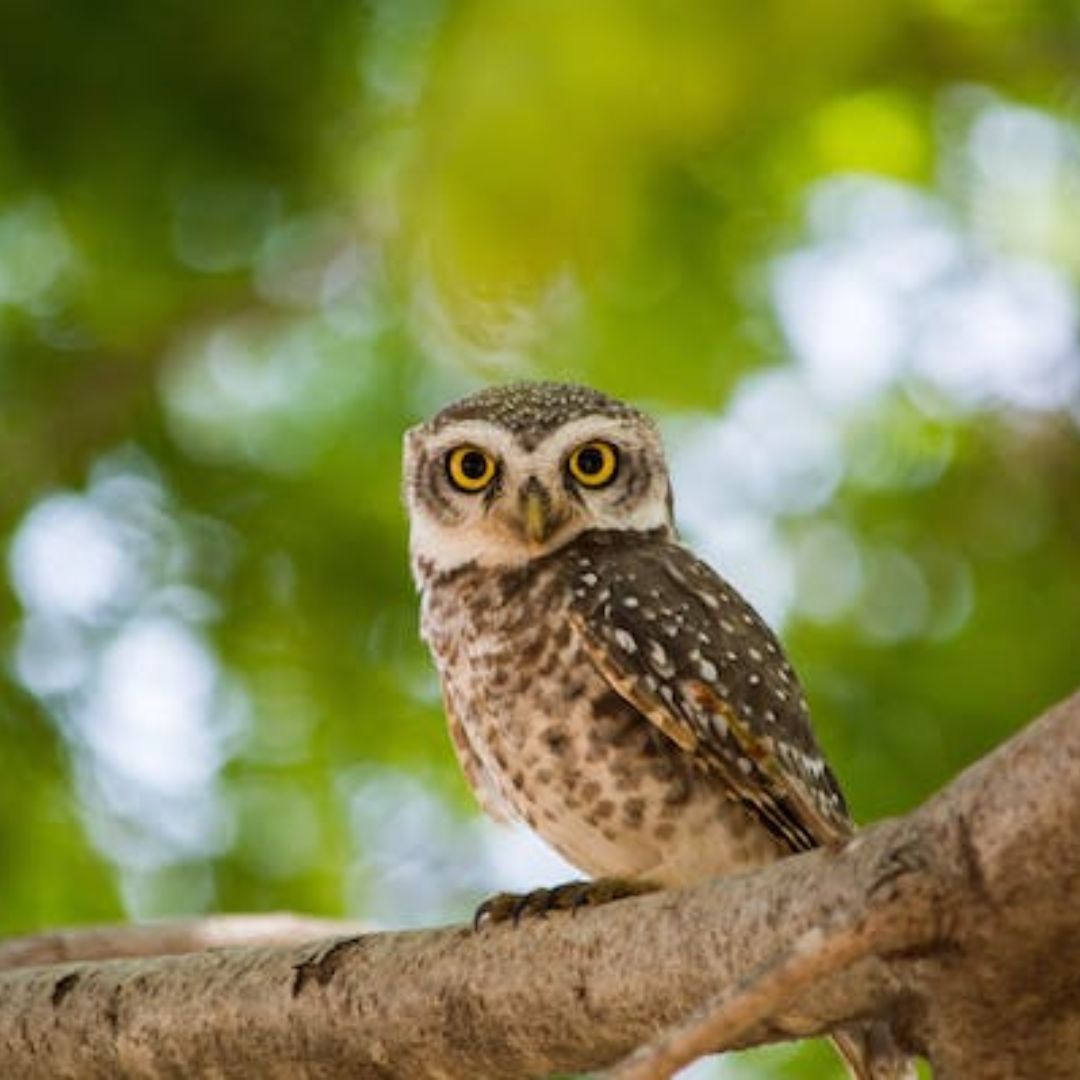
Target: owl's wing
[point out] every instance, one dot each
(677, 642)
(487, 794)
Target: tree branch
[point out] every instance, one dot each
(728, 1016)
(974, 965)
(172, 938)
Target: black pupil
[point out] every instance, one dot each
(473, 465)
(590, 461)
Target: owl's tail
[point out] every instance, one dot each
(870, 1053)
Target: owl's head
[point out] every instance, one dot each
(515, 472)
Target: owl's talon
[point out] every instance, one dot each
(496, 909)
(531, 903)
(574, 895)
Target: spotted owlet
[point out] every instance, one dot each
(600, 682)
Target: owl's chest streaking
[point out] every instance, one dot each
(544, 738)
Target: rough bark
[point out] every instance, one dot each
(964, 914)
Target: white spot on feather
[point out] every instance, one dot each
(659, 658)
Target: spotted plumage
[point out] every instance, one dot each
(601, 683)
(691, 655)
(545, 736)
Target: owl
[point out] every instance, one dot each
(600, 682)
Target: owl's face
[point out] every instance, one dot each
(515, 472)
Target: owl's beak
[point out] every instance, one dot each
(538, 518)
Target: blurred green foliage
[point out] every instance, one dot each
(243, 246)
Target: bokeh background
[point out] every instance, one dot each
(835, 246)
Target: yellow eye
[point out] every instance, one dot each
(470, 468)
(594, 464)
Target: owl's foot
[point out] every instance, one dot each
(513, 907)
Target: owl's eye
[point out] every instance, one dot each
(594, 464)
(470, 468)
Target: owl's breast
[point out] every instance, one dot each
(504, 648)
(543, 734)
